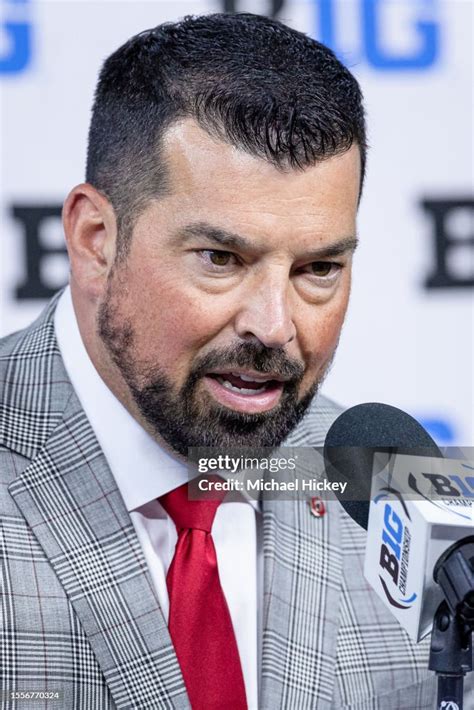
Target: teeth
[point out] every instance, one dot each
(246, 378)
(239, 390)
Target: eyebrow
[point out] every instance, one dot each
(230, 240)
(214, 234)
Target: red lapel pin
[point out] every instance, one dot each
(317, 507)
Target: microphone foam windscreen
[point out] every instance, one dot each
(352, 441)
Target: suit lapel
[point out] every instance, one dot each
(302, 577)
(71, 502)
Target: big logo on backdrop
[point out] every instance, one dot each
(376, 17)
(452, 221)
(15, 36)
(377, 20)
(417, 17)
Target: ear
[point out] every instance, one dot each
(90, 227)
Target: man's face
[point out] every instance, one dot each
(225, 315)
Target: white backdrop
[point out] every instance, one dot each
(403, 343)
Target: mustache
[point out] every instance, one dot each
(251, 355)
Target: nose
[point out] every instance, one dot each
(265, 313)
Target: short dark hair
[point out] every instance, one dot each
(249, 80)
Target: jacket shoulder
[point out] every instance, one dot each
(31, 368)
(13, 344)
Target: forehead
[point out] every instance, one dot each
(208, 176)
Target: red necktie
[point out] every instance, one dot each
(199, 620)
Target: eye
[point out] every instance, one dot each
(322, 272)
(322, 268)
(218, 258)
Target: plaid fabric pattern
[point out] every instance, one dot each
(78, 610)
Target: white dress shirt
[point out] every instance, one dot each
(144, 471)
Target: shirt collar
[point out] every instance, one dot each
(143, 470)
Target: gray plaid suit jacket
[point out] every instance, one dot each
(78, 609)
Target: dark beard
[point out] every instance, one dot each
(186, 421)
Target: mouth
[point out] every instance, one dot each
(245, 391)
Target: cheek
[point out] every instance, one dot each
(320, 337)
(173, 325)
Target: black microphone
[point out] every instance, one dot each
(352, 441)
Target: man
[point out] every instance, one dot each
(210, 253)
